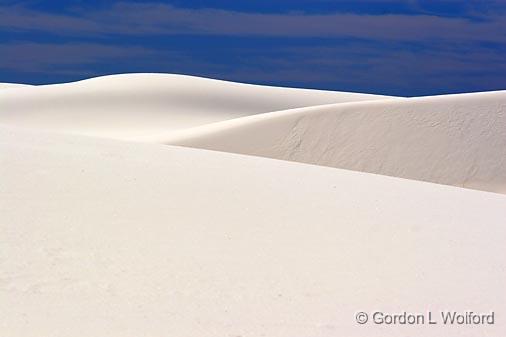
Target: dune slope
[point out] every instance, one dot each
(456, 140)
(106, 238)
(13, 86)
(132, 106)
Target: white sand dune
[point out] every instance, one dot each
(456, 140)
(13, 86)
(135, 106)
(109, 238)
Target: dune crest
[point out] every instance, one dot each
(457, 140)
(13, 86)
(132, 106)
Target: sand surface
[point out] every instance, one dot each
(106, 238)
(169, 205)
(13, 85)
(136, 106)
(457, 140)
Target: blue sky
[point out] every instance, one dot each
(406, 48)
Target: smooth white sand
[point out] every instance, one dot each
(13, 86)
(456, 140)
(133, 106)
(108, 238)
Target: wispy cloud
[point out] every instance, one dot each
(62, 58)
(388, 69)
(19, 18)
(156, 18)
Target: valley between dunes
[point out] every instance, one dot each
(171, 205)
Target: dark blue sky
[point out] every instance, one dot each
(403, 48)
